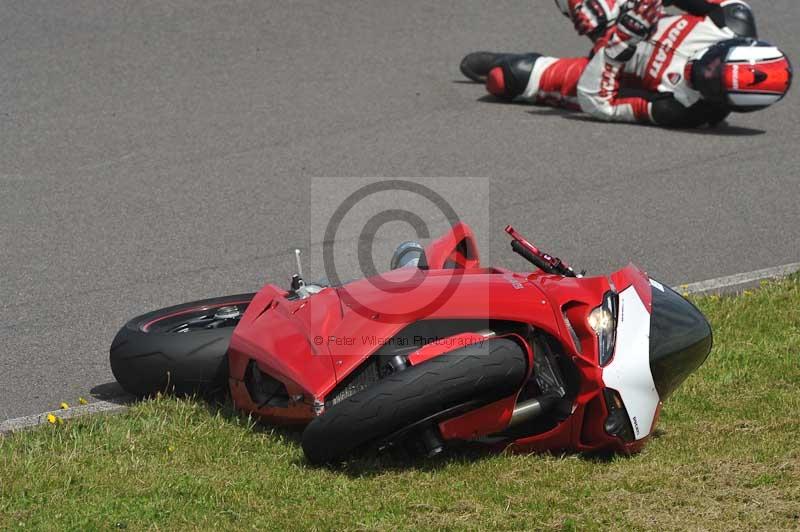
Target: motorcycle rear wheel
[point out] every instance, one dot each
(485, 372)
(180, 349)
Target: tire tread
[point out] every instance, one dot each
(490, 370)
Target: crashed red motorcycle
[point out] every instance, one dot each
(439, 349)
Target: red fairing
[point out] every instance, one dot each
(443, 294)
(633, 276)
(434, 349)
(576, 298)
(310, 345)
(481, 422)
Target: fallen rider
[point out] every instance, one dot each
(683, 71)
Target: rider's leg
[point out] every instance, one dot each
(537, 79)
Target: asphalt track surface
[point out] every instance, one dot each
(156, 152)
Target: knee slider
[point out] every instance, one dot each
(511, 75)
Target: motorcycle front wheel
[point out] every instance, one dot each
(181, 349)
(478, 373)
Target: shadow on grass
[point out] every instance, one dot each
(371, 462)
(222, 405)
(374, 463)
(365, 463)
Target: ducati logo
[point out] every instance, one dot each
(674, 78)
(667, 47)
(608, 82)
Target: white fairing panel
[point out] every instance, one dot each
(629, 371)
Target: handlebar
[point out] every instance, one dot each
(538, 258)
(526, 254)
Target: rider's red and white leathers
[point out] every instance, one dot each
(649, 88)
(658, 66)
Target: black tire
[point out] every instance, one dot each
(487, 371)
(146, 360)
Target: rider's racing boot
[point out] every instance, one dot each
(509, 77)
(476, 66)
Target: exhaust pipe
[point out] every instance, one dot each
(532, 409)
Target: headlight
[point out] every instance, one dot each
(617, 423)
(603, 321)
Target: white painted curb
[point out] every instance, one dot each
(20, 423)
(739, 279)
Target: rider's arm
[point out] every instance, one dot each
(607, 101)
(599, 93)
(599, 86)
(666, 111)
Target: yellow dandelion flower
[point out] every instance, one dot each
(64, 406)
(171, 449)
(51, 419)
(82, 401)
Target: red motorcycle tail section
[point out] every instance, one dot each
(281, 337)
(456, 249)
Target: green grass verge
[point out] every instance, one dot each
(727, 456)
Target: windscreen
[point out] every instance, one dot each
(680, 340)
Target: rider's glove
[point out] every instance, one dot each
(636, 23)
(591, 17)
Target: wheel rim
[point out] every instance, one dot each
(200, 318)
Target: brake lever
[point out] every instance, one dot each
(539, 258)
